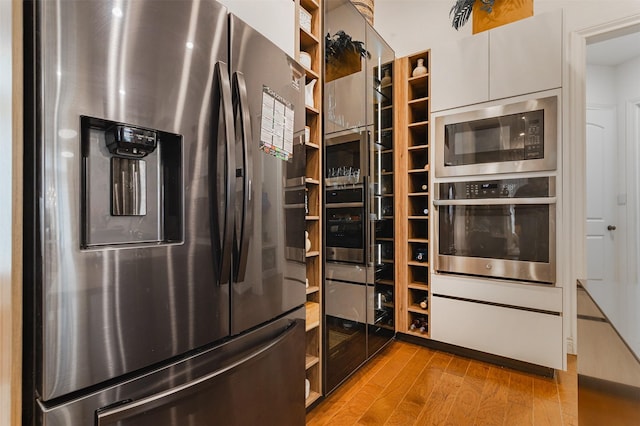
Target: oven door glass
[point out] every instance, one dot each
(512, 137)
(345, 234)
(517, 232)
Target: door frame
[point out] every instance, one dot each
(632, 139)
(574, 158)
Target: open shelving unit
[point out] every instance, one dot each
(412, 185)
(310, 40)
(383, 176)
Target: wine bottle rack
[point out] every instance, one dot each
(308, 39)
(413, 186)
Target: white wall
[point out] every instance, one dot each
(601, 86)
(413, 25)
(275, 19)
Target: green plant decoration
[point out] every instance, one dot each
(340, 44)
(461, 11)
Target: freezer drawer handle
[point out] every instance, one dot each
(109, 417)
(242, 113)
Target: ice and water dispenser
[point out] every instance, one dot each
(131, 184)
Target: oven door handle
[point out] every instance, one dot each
(344, 205)
(496, 201)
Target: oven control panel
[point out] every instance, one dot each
(493, 189)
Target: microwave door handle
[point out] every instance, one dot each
(222, 111)
(496, 201)
(241, 107)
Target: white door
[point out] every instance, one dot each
(603, 232)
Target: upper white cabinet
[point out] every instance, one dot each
(526, 56)
(460, 72)
(511, 60)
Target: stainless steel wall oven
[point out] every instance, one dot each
(501, 228)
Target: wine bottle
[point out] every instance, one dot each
(423, 304)
(415, 324)
(424, 187)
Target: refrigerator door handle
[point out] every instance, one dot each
(241, 109)
(119, 412)
(223, 110)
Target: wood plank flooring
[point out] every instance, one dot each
(408, 384)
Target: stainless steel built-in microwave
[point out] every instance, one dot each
(515, 137)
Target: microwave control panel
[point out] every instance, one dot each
(533, 139)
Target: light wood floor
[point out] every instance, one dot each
(412, 385)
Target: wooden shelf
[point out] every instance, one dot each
(412, 127)
(418, 102)
(312, 315)
(418, 310)
(310, 361)
(417, 333)
(426, 169)
(418, 147)
(313, 397)
(418, 240)
(384, 239)
(311, 43)
(421, 79)
(311, 74)
(312, 145)
(307, 40)
(310, 5)
(311, 110)
(418, 286)
(419, 124)
(385, 282)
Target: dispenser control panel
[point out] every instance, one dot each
(129, 141)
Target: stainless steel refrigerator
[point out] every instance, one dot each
(164, 217)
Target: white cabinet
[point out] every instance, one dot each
(526, 56)
(511, 60)
(514, 320)
(460, 72)
(533, 337)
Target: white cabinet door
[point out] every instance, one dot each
(460, 72)
(533, 337)
(526, 56)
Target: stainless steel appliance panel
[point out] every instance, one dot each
(272, 281)
(492, 140)
(113, 310)
(258, 379)
(501, 228)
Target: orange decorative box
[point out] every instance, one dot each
(503, 12)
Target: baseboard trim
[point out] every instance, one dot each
(479, 355)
